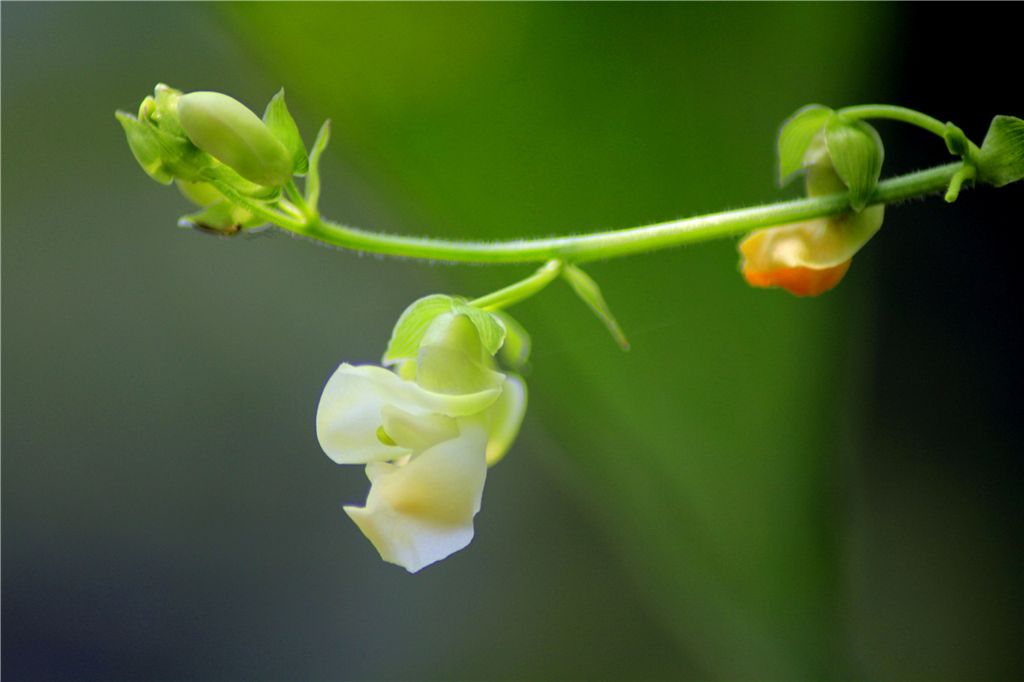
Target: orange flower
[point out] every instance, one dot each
(810, 257)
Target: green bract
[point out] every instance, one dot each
(414, 322)
(854, 147)
(224, 128)
(796, 135)
(1001, 157)
(857, 153)
(587, 289)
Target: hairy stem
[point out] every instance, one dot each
(622, 242)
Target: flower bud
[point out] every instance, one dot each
(451, 358)
(224, 128)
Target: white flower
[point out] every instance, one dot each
(426, 439)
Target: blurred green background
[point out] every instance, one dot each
(763, 488)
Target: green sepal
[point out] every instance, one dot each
(795, 136)
(412, 325)
(221, 173)
(323, 136)
(587, 289)
(280, 122)
(416, 319)
(956, 141)
(164, 114)
(1000, 160)
(490, 328)
(857, 153)
(145, 147)
(515, 352)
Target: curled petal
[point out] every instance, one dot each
(349, 415)
(798, 281)
(422, 512)
(506, 416)
(809, 257)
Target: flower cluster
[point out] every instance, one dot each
(427, 430)
(209, 143)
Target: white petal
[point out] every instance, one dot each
(506, 416)
(417, 432)
(350, 411)
(422, 512)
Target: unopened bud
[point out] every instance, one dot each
(224, 128)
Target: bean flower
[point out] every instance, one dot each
(426, 432)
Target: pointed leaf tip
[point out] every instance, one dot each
(588, 290)
(795, 137)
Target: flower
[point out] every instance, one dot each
(427, 434)
(810, 257)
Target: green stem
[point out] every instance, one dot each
(296, 197)
(623, 242)
(916, 118)
(271, 216)
(521, 290)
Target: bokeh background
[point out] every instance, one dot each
(764, 488)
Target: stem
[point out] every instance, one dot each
(916, 118)
(296, 197)
(521, 290)
(271, 216)
(623, 242)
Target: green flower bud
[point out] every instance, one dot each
(224, 128)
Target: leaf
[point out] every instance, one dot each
(1000, 160)
(283, 127)
(313, 179)
(587, 289)
(515, 352)
(145, 147)
(857, 153)
(795, 136)
(490, 328)
(413, 324)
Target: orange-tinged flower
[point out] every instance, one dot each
(807, 258)
(810, 257)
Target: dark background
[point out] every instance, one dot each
(763, 488)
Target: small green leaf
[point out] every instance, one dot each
(282, 125)
(1000, 160)
(587, 289)
(515, 352)
(857, 153)
(145, 147)
(795, 136)
(413, 324)
(313, 179)
(956, 141)
(490, 328)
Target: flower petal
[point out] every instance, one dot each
(422, 512)
(349, 413)
(506, 416)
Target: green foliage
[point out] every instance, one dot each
(1000, 160)
(280, 122)
(414, 322)
(795, 137)
(490, 328)
(588, 290)
(857, 153)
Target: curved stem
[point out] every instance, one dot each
(623, 242)
(916, 118)
(521, 290)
